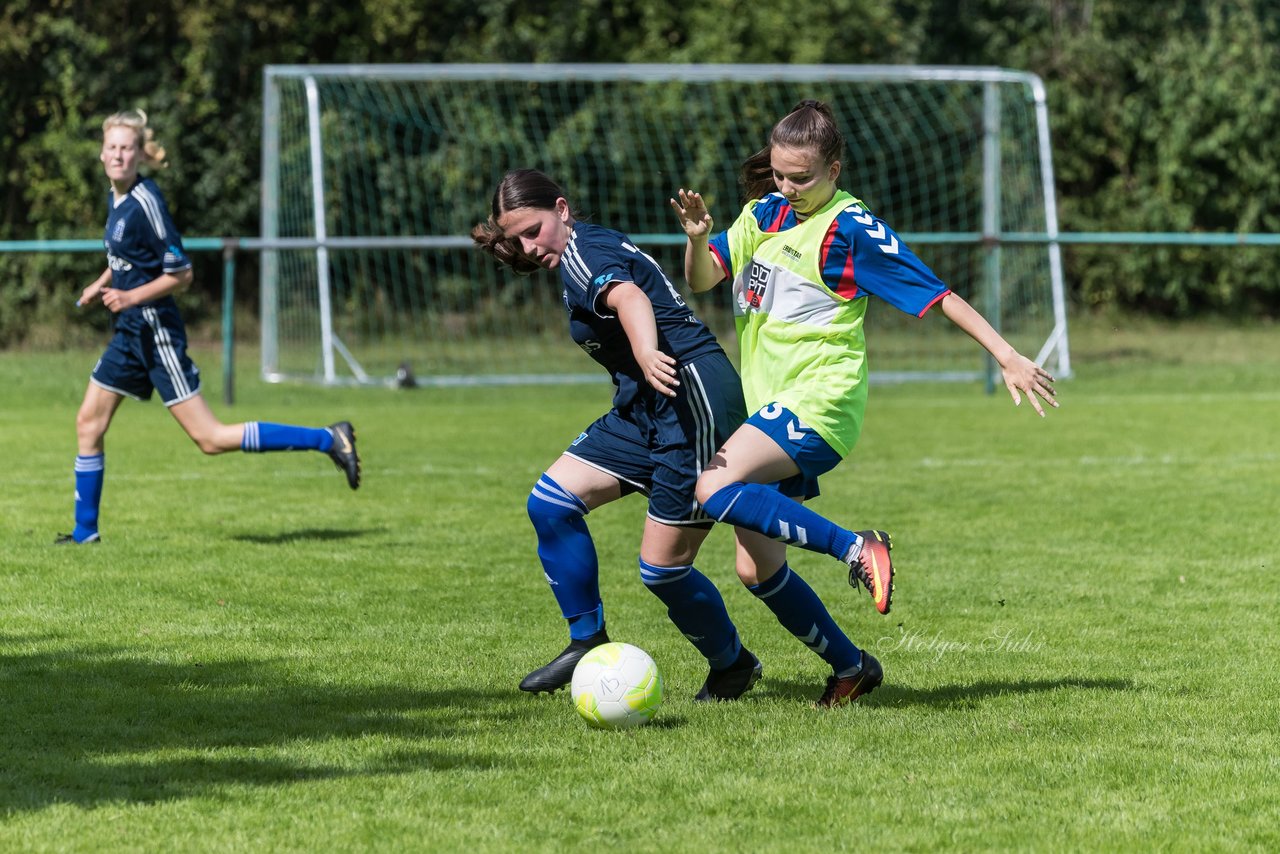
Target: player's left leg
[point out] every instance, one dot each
(214, 437)
(684, 432)
(695, 607)
(762, 567)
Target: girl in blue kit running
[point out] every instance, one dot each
(146, 265)
(803, 256)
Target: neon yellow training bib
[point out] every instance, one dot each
(802, 344)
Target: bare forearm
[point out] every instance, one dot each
(1021, 375)
(700, 268)
(635, 313)
(965, 316)
(162, 286)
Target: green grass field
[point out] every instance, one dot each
(1082, 652)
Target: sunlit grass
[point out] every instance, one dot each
(1081, 654)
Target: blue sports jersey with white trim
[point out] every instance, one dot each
(861, 255)
(597, 257)
(142, 243)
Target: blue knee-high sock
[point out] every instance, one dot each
(568, 555)
(697, 609)
(764, 510)
(802, 613)
(89, 474)
(262, 436)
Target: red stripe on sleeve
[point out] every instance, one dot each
(846, 287)
(783, 210)
(724, 266)
(934, 302)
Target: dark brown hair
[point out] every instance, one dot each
(519, 188)
(810, 126)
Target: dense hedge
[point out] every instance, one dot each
(1163, 115)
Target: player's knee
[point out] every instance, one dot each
(747, 573)
(550, 505)
(716, 498)
(710, 482)
(90, 427)
(667, 555)
(92, 423)
(207, 446)
(209, 442)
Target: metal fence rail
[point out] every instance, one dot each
(230, 247)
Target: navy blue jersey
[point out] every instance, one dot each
(597, 257)
(142, 243)
(861, 255)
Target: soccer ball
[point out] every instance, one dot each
(616, 686)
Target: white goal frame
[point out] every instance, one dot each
(333, 354)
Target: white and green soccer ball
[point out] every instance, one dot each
(616, 686)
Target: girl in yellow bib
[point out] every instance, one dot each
(803, 257)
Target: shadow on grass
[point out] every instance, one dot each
(87, 726)
(306, 534)
(960, 695)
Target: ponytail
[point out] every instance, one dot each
(489, 238)
(519, 188)
(136, 120)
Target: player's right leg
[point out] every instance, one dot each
(682, 435)
(558, 505)
(697, 609)
(92, 421)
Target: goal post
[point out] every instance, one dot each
(374, 174)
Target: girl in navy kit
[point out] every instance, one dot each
(676, 399)
(146, 265)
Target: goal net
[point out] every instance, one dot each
(374, 175)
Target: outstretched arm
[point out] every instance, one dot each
(1020, 373)
(701, 270)
(635, 313)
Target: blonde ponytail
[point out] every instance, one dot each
(136, 120)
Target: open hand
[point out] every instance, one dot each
(1022, 375)
(659, 370)
(692, 211)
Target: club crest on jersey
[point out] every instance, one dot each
(117, 233)
(757, 284)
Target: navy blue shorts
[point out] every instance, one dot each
(151, 359)
(659, 445)
(811, 453)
